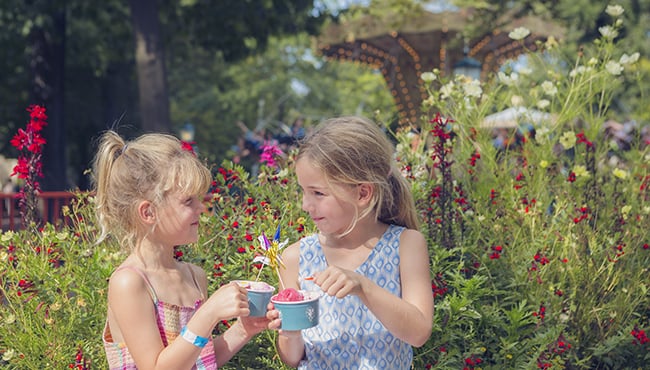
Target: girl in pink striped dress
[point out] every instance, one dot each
(149, 197)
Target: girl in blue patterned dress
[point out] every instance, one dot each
(368, 258)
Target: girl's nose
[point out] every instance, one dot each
(202, 206)
(305, 203)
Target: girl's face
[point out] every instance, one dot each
(178, 219)
(330, 213)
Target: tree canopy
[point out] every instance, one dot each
(226, 61)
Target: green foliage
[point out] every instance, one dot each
(539, 249)
(53, 295)
(555, 222)
(213, 95)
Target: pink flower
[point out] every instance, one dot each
(269, 153)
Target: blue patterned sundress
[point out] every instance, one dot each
(348, 335)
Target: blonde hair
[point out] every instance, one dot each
(354, 150)
(147, 168)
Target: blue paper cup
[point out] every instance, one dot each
(300, 314)
(259, 295)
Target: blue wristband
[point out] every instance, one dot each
(193, 338)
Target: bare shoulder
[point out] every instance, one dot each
(128, 293)
(291, 254)
(411, 238)
(126, 281)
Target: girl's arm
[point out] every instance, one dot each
(241, 332)
(132, 310)
(410, 317)
(291, 346)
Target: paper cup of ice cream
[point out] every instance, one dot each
(298, 308)
(259, 294)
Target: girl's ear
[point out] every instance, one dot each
(365, 192)
(146, 212)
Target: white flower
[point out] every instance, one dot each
(580, 171)
(542, 135)
(516, 100)
(473, 88)
(428, 76)
(519, 33)
(543, 104)
(614, 68)
(608, 32)
(549, 88)
(568, 140)
(614, 10)
(508, 80)
(8, 355)
(6, 237)
(551, 43)
(10, 319)
(525, 71)
(629, 59)
(626, 209)
(447, 90)
(429, 102)
(579, 70)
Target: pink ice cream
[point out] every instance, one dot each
(289, 295)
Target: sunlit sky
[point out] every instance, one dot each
(334, 5)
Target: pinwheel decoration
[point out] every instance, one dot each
(271, 253)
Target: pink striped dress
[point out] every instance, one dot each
(171, 319)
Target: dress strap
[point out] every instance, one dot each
(196, 283)
(144, 277)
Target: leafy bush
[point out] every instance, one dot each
(539, 247)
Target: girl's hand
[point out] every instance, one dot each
(275, 322)
(273, 317)
(254, 325)
(338, 282)
(229, 302)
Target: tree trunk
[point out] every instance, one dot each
(47, 61)
(149, 56)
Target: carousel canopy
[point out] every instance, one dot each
(403, 49)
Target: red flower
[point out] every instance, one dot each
(640, 337)
(189, 146)
(572, 177)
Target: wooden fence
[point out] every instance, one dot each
(51, 204)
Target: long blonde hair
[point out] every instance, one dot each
(353, 150)
(147, 168)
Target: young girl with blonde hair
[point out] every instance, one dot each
(368, 258)
(149, 197)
